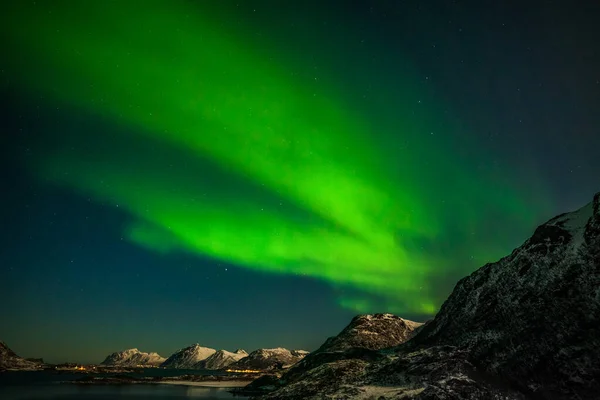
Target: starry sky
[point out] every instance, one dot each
(255, 173)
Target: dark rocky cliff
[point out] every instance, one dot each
(533, 318)
(10, 360)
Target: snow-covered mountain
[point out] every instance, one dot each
(374, 332)
(362, 338)
(133, 358)
(269, 359)
(221, 359)
(10, 360)
(527, 326)
(188, 357)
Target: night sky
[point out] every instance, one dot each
(255, 173)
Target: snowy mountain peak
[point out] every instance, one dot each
(220, 359)
(133, 358)
(565, 229)
(134, 350)
(268, 359)
(575, 220)
(373, 332)
(274, 350)
(363, 337)
(376, 316)
(188, 357)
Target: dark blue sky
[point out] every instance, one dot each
(524, 76)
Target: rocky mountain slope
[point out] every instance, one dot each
(525, 327)
(360, 340)
(269, 359)
(188, 357)
(9, 360)
(221, 359)
(533, 318)
(133, 358)
(374, 332)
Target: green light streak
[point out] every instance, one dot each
(192, 85)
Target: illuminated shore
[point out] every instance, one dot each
(214, 384)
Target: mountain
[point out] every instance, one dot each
(269, 359)
(533, 318)
(374, 332)
(524, 327)
(221, 359)
(133, 358)
(10, 360)
(361, 339)
(188, 357)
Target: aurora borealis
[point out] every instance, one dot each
(273, 144)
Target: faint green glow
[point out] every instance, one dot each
(190, 84)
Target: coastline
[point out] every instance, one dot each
(208, 384)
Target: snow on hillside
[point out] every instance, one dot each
(372, 331)
(221, 359)
(133, 358)
(266, 359)
(188, 357)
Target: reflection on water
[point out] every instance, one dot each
(109, 392)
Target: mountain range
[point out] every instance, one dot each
(199, 357)
(191, 357)
(524, 327)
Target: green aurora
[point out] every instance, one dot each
(220, 150)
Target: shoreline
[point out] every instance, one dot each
(208, 384)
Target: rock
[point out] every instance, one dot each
(9, 360)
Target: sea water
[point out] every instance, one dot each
(44, 386)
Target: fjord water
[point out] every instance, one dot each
(46, 386)
(109, 392)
